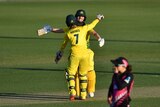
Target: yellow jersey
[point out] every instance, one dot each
(77, 37)
(88, 37)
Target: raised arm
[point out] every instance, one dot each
(94, 23)
(123, 83)
(98, 37)
(47, 28)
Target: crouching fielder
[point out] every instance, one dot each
(121, 85)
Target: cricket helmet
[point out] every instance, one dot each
(81, 13)
(70, 20)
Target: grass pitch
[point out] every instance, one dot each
(30, 78)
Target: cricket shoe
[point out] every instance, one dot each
(72, 98)
(91, 94)
(77, 97)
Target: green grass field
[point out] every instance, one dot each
(30, 78)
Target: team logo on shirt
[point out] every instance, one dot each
(127, 80)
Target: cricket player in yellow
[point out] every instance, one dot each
(91, 75)
(81, 17)
(79, 54)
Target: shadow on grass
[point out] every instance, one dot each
(97, 71)
(34, 97)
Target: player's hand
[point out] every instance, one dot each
(47, 28)
(101, 42)
(59, 55)
(109, 100)
(115, 70)
(100, 16)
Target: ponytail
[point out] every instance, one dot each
(129, 68)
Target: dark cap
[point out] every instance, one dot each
(120, 61)
(70, 20)
(81, 12)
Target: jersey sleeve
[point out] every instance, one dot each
(65, 29)
(92, 25)
(91, 31)
(110, 91)
(64, 44)
(88, 36)
(122, 83)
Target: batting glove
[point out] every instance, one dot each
(100, 16)
(47, 28)
(59, 55)
(101, 42)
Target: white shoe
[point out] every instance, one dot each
(91, 94)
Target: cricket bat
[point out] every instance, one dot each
(41, 32)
